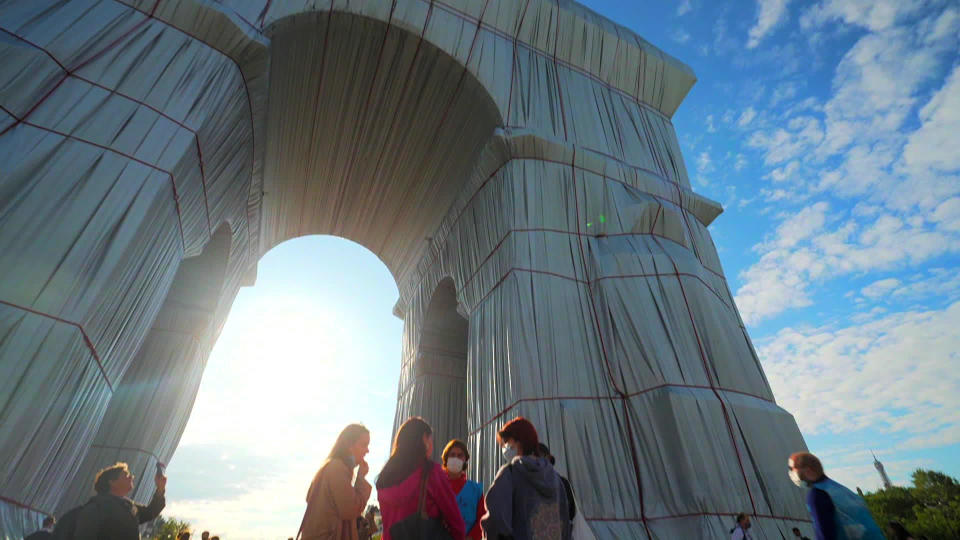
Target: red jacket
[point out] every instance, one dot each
(400, 501)
(476, 533)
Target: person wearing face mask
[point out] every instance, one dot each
(527, 499)
(410, 472)
(469, 493)
(334, 500)
(740, 532)
(837, 512)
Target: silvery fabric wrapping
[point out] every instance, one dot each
(512, 162)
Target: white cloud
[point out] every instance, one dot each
(704, 163)
(704, 168)
(783, 92)
(940, 283)
(769, 14)
(945, 26)
(810, 247)
(874, 15)
(802, 136)
(746, 117)
(740, 163)
(948, 214)
(711, 128)
(784, 173)
(890, 374)
(684, 8)
(934, 144)
(680, 36)
(875, 88)
(906, 185)
(880, 288)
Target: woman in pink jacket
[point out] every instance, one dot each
(398, 486)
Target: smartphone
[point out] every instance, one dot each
(161, 468)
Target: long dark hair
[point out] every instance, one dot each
(347, 438)
(409, 453)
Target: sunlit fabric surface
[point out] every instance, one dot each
(512, 162)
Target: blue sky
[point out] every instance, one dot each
(828, 130)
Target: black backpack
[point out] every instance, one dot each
(65, 527)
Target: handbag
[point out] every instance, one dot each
(420, 526)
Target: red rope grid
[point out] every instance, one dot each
(706, 369)
(78, 326)
(494, 176)
(603, 348)
(246, 89)
(467, 17)
(73, 74)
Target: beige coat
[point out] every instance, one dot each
(334, 504)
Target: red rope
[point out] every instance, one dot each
(78, 326)
(72, 74)
(173, 183)
(556, 74)
(661, 386)
(23, 505)
(493, 175)
(706, 369)
(246, 89)
(565, 63)
(601, 278)
(513, 65)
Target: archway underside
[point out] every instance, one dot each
(371, 133)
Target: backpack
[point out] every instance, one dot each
(65, 527)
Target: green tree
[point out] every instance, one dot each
(931, 507)
(165, 528)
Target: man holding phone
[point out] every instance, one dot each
(110, 515)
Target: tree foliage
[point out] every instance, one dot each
(930, 508)
(165, 528)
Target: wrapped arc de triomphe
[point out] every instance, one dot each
(512, 162)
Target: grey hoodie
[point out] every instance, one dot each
(527, 502)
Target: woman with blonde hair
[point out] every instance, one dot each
(334, 501)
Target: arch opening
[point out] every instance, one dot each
(311, 347)
(440, 371)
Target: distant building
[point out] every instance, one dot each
(887, 484)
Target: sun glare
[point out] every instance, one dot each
(313, 346)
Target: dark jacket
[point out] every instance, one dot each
(527, 500)
(108, 517)
(40, 535)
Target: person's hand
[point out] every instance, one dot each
(364, 468)
(161, 482)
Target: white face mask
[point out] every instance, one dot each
(797, 480)
(454, 464)
(509, 452)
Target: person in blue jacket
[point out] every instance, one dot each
(469, 493)
(837, 512)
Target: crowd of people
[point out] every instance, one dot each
(420, 499)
